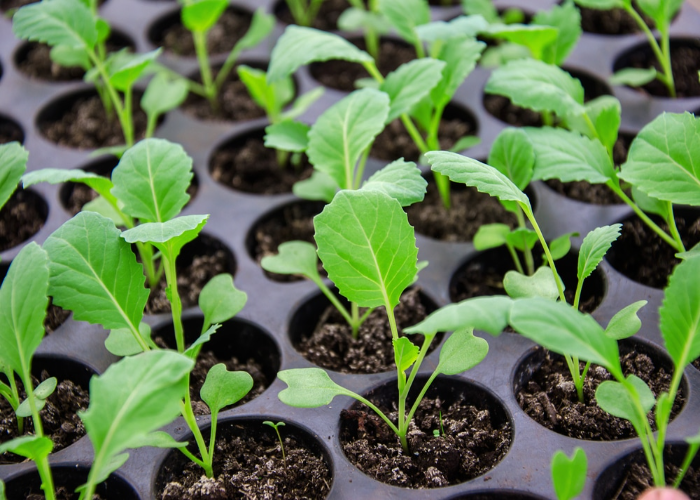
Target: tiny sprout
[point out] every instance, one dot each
(441, 431)
(276, 427)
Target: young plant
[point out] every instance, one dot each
(276, 426)
(569, 474)
(13, 164)
(367, 19)
(304, 11)
(368, 248)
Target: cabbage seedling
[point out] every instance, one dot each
(276, 426)
(569, 474)
(13, 164)
(304, 12)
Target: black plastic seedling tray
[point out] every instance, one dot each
(524, 472)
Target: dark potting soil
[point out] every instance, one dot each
(58, 417)
(248, 464)
(85, 125)
(62, 493)
(550, 397)
(55, 316)
(611, 21)
(641, 255)
(472, 444)
(638, 479)
(9, 132)
(20, 219)
(292, 222)
(470, 210)
(443, 3)
(326, 19)
(6, 5)
(248, 166)
(331, 345)
(230, 28)
(342, 75)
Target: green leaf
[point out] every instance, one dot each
(163, 94)
(459, 27)
(538, 86)
(466, 142)
(125, 68)
(272, 97)
(46, 388)
(663, 159)
(482, 8)
(35, 448)
(560, 246)
(294, 257)
(23, 302)
(661, 11)
(133, 398)
(513, 155)
(615, 399)
(634, 77)
(67, 56)
(202, 15)
(567, 19)
(121, 342)
(489, 314)
(344, 131)
(13, 163)
(24, 410)
(460, 56)
(354, 19)
(94, 273)
(649, 204)
(490, 236)
(594, 247)
(558, 327)
(367, 247)
(302, 103)
(58, 176)
(299, 46)
(308, 388)
(405, 16)
(461, 352)
(502, 54)
(405, 354)
(57, 22)
(540, 284)
(261, 26)
(522, 238)
(101, 206)
(569, 156)
(103, 28)
(679, 315)
(410, 83)
(602, 4)
(320, 186)
(604, 113)
(223, 388)
(569, 474)
(192, 351)
(152, 180)
(625, 323)
(160, 439)
(536, 38)
(287, 135)
(220, 300)
(401, 180)
(163, 232)
(479, 175)
(692, 253)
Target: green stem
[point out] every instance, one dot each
(514, 256)
(355, 312)
(15, 392)
(116, 101)
(376, 410)
(577, 296)
(673, 228)
(191, 421)
(127, 123)
(372, 43)
(226, 69)
(418, 45)
(313, 11)
(336, 303)
(44, 469)
(212, 439)
(414, 371)
(689, 456)
(175, 302)
(200, 46)
(392, 321)
(361, 168)
(529, 260)
(547, 118)
(373, 71)
(665, 63)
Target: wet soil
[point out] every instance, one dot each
(20, 219)
(611, 21)
(641, 255)
(342, 75)
(247, 165)
(9, 132)
(326, 19)
(638, 479)
(331, 345)
(55, 316)
(248, 464)
(550, 397)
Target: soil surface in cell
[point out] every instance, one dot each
(55, 316)
(247, 165)
(469, 210)
(221, 38)
(641, 255)
(342, 75)
(611, 21)
(292, 222)
(332, 346)
(248, 464)
(685, 64)
(58, 417)
(10, 132)
(85, 125)
(444, 3)
(326, 19)
(62, 493)
(471, 445)
(20, 219)
(638, 479)
(550, 397)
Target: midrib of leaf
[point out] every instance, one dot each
(22, 360)
(68, 28)
(346, 150)
(152, 185)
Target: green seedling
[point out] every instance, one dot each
(662, 13)
(366, 19)
(569, 474)
(13, 164)
(441, 431)
(276, 426)
(368, 248)
(304, 12)
(486, 9)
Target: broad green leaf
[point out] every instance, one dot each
(287, 135)
(220, 300)
(569, 156)
(567, 19)
(201, 15)
(522, 238)
(615, 399)
(23, 302)
(664, 159)
(101, 206)
(512, 154)
(558, 327)
(405, 16)
(405, 354)
(401, 180)
(294, 257)
(560, 246)
(354, 19)
(163, 232)
(24, 410)
(466, 142)
(261, 26)
(163, 94)
(410, 83)
(541, 284)
(679, 315)
(58, 176)
(569, 474)
(634, 77)
(125, 68)
(479, 175)
(602, 4)
(133, 398)
(121, 342)
(13, 163)
(94, 273)
(302, 103)
(661, 11)
(33, 447)
(604, 113)
(489, 314)
(299, 46)
(690, 254)
(594, 247)
(367, 247)
(67, 56)
(625, 323)
(160, 439)
(459, 27)
(192, 351)
(309, 388)
(538, 86)
(461, 352)
(320, 186)
(57, 22)
(152, 180)
(223, 388)
(46, 388)
(502, 54)
(272, 97)
(103, 29)
(460, 56)
(483, 8)
(344, 131)
(536, 38)
(490, 236)
(650, 205)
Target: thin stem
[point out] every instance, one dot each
(514, 256)
(191, 421)
(334, 300)
(414, 371)
(189, 455)
(377, 411)
(200, 46)
(529, 260)
(413, 132)
(44, 469)
(15, 392)
(226, 68)
(665, 64)
(392, 321)
(127, 122)
(418, 45)
(212, 439)
(355, 312)
(550, 260)
(372, 43)
(689, 456)
(361, 168)
(175, 302)
(373, 71)
(673, 228)
(111, 91)
(577, 296)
